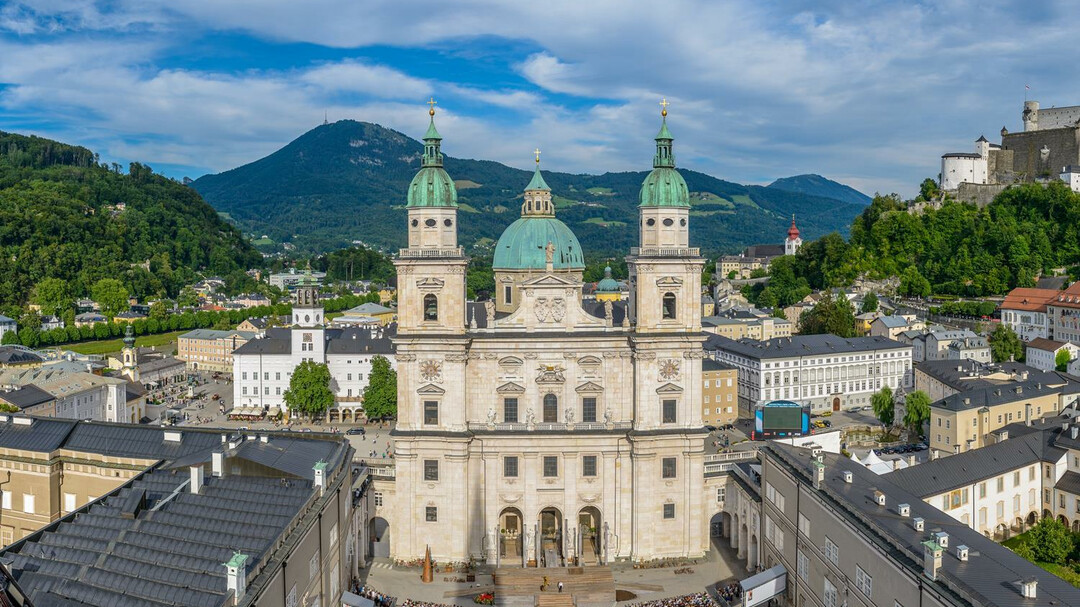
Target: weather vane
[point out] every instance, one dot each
(432, 103)
(663, 106)
(537, 152)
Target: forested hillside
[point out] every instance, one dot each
(347, 180)
(958, 249)
(65, 216)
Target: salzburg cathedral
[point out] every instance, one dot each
(539, 429)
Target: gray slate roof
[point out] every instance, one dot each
(12, 355)
(986, 578)
(991, 396)
(26, 396)
(802, 345)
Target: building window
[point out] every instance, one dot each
(551, 466)
(510, 467)
(588, 409)
(28, 503)
(863, 582)
(803, 566)
(431, 412)
(804, 525)
(431, 307)
(431, 470)
(830, 598)
(510, 410)
(832, 551)
(431, 514)
(667, 466)
(668, 413)
(588, 465)
(313, 565)
(378, 499)
(669, 511)
(669, 306)
(508, 292)
(721, 493)
(551, 409)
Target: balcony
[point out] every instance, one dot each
(550, 427)
(665, 252)
(431, 253)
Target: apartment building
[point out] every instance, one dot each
(71, 394)
(719, 393)
(209, 349)
(1024, 311)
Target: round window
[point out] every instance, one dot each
(430, 223)
(650, 222)
(682, 222)
(415, 223)
(669, 222)
(447, 223)
(307, 318)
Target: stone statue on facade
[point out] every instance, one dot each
(530, 418)
(569, 414)
(491, 416)
(489, 309)
(609, 314)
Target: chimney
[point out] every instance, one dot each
(264, 438)
(904, 510)
(1074, 431)
(236, 576)
(962, 552)
(196, 479)
(1027, 587)
(320, 476)
(847, 476)
(217, 464)
(879, 497)
(918, 523)
(931, 559)
(942, 539)
(911, 460)
(1027, 413)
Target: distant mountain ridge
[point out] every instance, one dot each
(816, 185)
(347, 180)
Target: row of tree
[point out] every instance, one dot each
(309, 393)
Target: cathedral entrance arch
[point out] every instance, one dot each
(590, 529)
(551, 537)
(510, 534)
(379, 534)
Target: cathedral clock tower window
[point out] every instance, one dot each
(431, 412)
(669, 406)
(669, 306)
(431, 308)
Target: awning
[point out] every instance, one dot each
(763, 586)
(354, 600)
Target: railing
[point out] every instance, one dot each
(427, 253)
(665, 252)
(732, 456)
(547, 426)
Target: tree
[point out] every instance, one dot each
(1062, 359)
(870, 303)
(1050, 541)
(53, 295)
(309, 389)
(916, 410)
(884, 407)
(831, 315)
(913, 284)
(380, 395)
(928, 189)
(159, 311)
(188, 298)
(111, 295)
(1005, 344)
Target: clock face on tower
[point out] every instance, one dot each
(430, 370)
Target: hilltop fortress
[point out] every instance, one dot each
(1048, 148)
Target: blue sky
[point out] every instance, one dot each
(867, 93)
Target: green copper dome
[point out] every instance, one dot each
(608, 284)
(664, 187)
(523, 245)
(432, 187)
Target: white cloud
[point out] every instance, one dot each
(354, 76)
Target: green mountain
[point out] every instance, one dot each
(64, 216)
(346, 181)
(816, 185)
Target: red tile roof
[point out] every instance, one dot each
(1029, 300)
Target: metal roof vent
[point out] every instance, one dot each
(23, 421)
(172, 436)
(1028, 586)
(1074, 432)
(879, 497)
(918, 523)
(962, 552)
(942, 539)
(848, 476)
(904, 509)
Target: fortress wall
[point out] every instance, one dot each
(1058, 117)
(1064, 147)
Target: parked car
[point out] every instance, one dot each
(355, 431)
(215, 397)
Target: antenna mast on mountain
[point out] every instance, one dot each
(325, 119)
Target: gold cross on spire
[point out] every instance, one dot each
(537, 152)
(432, 103)
(663, 106)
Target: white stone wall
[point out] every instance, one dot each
(962, 169)
(1071, 178)
(261, 380)
(1001, 500)
(1027, 325)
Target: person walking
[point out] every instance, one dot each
(560, 586)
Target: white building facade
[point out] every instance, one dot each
(824, 371)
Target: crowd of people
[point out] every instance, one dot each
(731, 592)
(412, 603)
(698, 599)
(380, 599)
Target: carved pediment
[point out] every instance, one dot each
(510, 361)
(669, 281)
(550, 280)
(669, 389)
(510, 388)
(589, 361)
(430, 389)
(590, 387)
(430, 283)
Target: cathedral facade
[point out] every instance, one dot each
(539, 429)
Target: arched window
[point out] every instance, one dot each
(551, 408)
(431, 307)
(669, 305)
